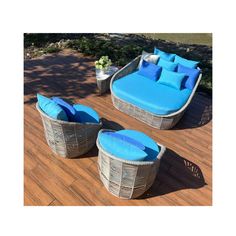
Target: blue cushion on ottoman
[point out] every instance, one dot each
(172, 79)
(120, 148)
(85, 114)
(168, 65)
(186, 62)
(191, 78)
(151, 147)
(164, 55)
(126, 139)
(51, 108)
(150, 70)
(69, 109)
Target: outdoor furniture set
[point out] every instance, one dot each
(155, 88)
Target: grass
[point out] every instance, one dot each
(186, 38)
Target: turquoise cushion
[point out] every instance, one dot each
(185, 62)
(85, 114)
(120, 148)
(51, 108)
(172, 79)
(150, 70)
(168, 65)
(191, 78)
(69, 109)
(164, 55)
(151, 147)
(125, 139)
(149, 95)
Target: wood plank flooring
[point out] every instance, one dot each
(185, 176)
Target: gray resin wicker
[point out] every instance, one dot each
(69, 139)
(127, 179)
(103, 85)
(154, 120)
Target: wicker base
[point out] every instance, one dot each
(146, 117)
(127, 179)
(69, 139)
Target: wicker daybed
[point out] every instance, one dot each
(124, 178)
(154, 120)
(69, 139)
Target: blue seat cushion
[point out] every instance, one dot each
(120, 148)
(84, 114)
(151, 147)
(164, 55)
(51, 108)
(191, 78)
(125, 139)
(186, 62)
(69, 109)
(150, 70)
(168, 65)
(149, 95)
(172, 79)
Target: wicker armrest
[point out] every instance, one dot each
(129, 68)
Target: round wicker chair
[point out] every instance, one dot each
(127, 179)
(69, 139)
(154, 120)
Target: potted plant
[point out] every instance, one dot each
(103, 65)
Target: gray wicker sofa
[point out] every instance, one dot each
(155, 120)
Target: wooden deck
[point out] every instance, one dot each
(185, 176)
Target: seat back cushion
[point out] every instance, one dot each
(191, 78)
(69, 109)
(164, 55)
(120, 148)
(186, 62)
(168, 65)
(151, 147)
(150, 70)
(172, 79)
(51, 108)
(149, 57)
(85, 114)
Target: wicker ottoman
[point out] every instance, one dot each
(69, 139)
(127, 179)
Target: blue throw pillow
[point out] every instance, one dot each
(126, 139)
(172, 79)
(168, 65)
(164, 55)
(191, 78)
(51, 108)
(120, 149)
(150, 70)
(85, 114)
(69, 109)
(186, 62)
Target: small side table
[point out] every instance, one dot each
(103, 79)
